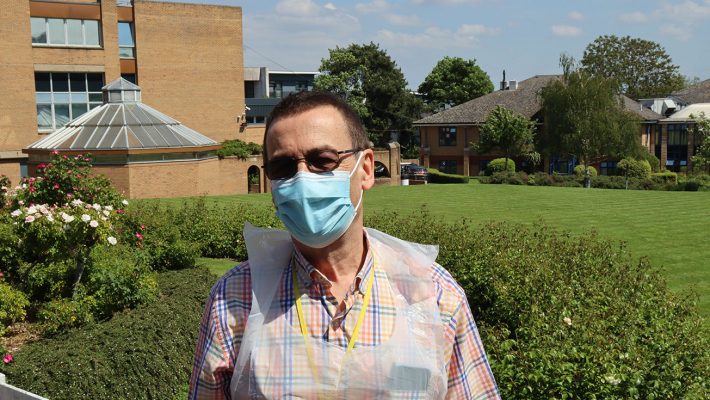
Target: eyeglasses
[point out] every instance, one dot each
(317, 160)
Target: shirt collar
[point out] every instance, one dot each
(309, 275)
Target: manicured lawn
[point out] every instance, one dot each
(671, 228)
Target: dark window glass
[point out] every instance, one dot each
(447, 136)
(130, 78)
(42, 82)
(249, 90)
(78, 82)
(96, 82)
(448, 166)
(60, 82)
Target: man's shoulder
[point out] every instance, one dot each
(234, 283)
(445, 282)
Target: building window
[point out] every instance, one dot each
(447, 136)
(249, 89)
(255, 119)
(130, 78)
(608, 168)
(62, 96)
(65, 32)
(275, 90)
(303, 86)
(126, 40)
(448, 166)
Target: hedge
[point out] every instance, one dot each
(435, 176)
(144, 353)
(565, 316)
(499, 165)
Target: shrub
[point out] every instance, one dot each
(633, 168)
(64, 179)
(4, 189)
(579, 170)
(435, 176)
(609, 182)
(119, 277)
(665, 177)
(540, 179)
(9, 250)
(238, 148)
(142, 354)
(13, 305)
(652, 160)
(60, 315)
(564, 316)
(499, 165)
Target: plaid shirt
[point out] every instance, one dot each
(229, 304)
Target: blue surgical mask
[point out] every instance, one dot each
(316, 207)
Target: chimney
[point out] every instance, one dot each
(503, 83)
(512, 85)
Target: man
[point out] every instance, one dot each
(329, 309)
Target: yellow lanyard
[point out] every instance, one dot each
(304, 325)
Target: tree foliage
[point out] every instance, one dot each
(585, 117)
(511, 134)
(701, 132)
(641, 68)
(453, 81)
(374, 86)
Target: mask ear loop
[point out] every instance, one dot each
(357, 163)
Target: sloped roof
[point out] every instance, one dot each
(698, 93)
(122, 126)
(684, 115)
(525, 100)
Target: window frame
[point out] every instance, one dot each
(53, 103)
(443, 130)
(65, 26)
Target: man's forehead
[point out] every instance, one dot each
(321, 127)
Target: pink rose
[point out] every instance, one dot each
(8, 358)
(139, 236)
(55, 152)
(56, 186)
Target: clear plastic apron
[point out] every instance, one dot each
(275, 362)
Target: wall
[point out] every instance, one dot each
(190, 64)
(9, 392)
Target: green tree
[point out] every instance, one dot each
(372, 83)
(641, 68)
(454, 81)
(511, 134)
(701, 132)
(585, 117)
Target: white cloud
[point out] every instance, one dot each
(682, 33)
(297, 7)
(636, 17)
(565, 30)
(330, 6)
(376, 6)
(403, 20)
(447, 2)
(466, 36)
(685, 11)
(575, 16)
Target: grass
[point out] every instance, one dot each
(671, 228)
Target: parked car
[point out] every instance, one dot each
(414, 172)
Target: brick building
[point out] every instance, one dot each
(57, 55)
(445, 136)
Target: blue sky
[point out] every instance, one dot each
(523, 37)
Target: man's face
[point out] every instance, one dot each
(320, 128)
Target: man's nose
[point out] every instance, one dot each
(302, 165)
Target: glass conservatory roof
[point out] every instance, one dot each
(123, 122)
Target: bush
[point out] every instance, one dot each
(633, 168)
(665, 177)
(9, 251)
(435, 176)
(564, 316)
(652, 160)
(119, 278)
(609, 182)
(540, 179)
(579, 170)
(145, 353)
(13, 305)
(4, 189)
(498, 165)
(238, 148)
(60, 315)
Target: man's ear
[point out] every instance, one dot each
(367, 169)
